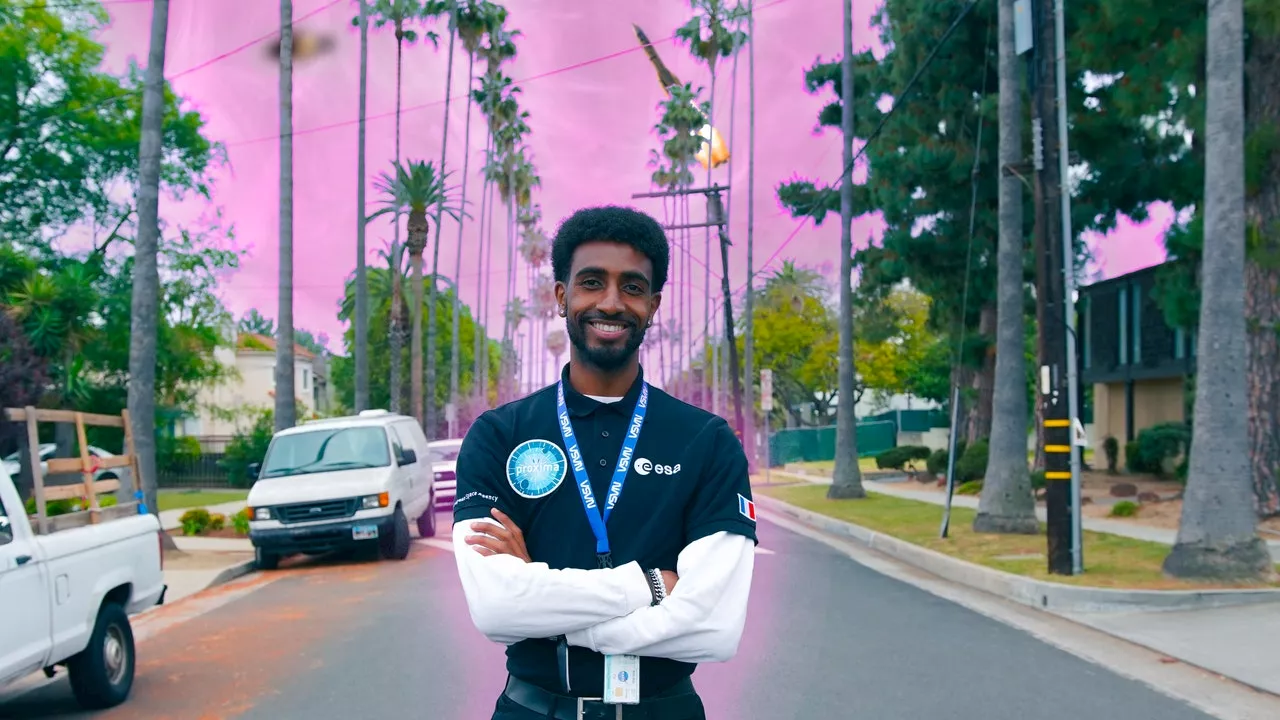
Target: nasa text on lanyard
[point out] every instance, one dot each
(620, 468)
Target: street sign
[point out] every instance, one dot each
(766, 390)
(450, 412)
(1079, 437)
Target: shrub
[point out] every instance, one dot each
(972, 465)
(1112, 448)
(937, 462)
(1037, 480)
(247, 448)
(1124, 508)
(194, 521)
(69, 505)
(896, 458)
(1156, 447)
(973, 487)
(240, 521)
(217, 521)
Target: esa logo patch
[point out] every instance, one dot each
(644, 466)
(536, 468)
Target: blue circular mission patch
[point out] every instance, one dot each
(536, 468)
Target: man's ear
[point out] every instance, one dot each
(560, 290)
(655, 301)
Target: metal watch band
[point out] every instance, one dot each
(656, 586)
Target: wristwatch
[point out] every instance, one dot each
(656, 586)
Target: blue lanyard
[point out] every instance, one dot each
(620, 469)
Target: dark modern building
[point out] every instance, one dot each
(1136, 364)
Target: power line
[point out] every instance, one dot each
(188, 71)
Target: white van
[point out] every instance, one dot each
(338, 483)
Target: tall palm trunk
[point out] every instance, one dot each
(286, 403)
(508, 372)
(144, 310)
(1217, 535)
(481, 350)
(417, 228)
(706, 253)
(1006, 505)
(362, 274)
(395, 330)
(432, 329)
(455, 354)
(488, 295)
(748, 332)
(847, 478)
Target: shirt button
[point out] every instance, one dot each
(604, 433)
(603, 462)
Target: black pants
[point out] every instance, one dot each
(507, 709)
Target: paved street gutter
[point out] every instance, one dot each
(1041, 594)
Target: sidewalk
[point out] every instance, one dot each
(1236, 642)
(1103, 525)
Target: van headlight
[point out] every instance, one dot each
(262, 513)
(372, 502)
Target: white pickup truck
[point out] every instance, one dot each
(66, 597)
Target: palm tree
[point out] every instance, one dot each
(396, 13)
(557, 343)
(286, 409)
(748, 331)
(362, 280)
(1006, 504)
(1217, 534)
(144, 317)
(451, 7)
(847, 478)
(415, 188)
(474, 20)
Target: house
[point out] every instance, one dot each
(1137, 365)
(230, 407)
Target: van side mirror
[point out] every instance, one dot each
(253, 470)
(408, 457)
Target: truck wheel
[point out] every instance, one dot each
(427, 521)
(396, 545)
(265, 560)
(102, 673)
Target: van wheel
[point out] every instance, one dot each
(427, 521)
(102, 673)
(395, 546)
(265, 560)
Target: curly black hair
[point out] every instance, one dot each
(618, 224)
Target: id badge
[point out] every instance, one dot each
(622, 679)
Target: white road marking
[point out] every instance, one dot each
(436, 543)
(764, 551)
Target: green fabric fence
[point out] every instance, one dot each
(817, 444)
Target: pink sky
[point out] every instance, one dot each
(591, 131)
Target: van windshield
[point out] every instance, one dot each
(325, 450)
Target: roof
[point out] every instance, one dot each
(370, 418)
(257, 342)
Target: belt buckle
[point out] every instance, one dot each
(582, 701)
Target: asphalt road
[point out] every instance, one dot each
(826, 638)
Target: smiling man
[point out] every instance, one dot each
(604, 531)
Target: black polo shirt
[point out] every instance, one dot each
(684, 484)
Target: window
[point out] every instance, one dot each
(1137, 324)
(327, 450)
(1179, 343)
(1123, 306)
(6, 530)
(306, 379)
(404, 435)
(1086, 341)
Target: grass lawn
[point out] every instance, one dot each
(176, 499)
(865, 464)
(1110, 561)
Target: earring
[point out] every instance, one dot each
(562, 311)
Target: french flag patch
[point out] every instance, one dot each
(747, 508)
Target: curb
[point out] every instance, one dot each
(1041, 594)
(231, 573)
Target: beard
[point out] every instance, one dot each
(605, 357)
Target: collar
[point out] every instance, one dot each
(580, 405)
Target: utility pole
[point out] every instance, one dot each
(1053, 264)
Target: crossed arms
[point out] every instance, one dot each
(511, 598)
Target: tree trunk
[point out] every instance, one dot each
(1217, 535)
(431, 422)
(286, 415)
(362, 276)
(706, 253)
(417, 227)
(395, 338)
(455, 355)
(482, 321)
(144, 312)
(1006, 504)
(748, 341)
(1262, 279)
(984, 381)
(847, 478)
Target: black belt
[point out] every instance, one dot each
(678, 701)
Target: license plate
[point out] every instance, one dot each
(364, 532)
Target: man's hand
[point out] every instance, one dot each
(669, 579)
(499, 540)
